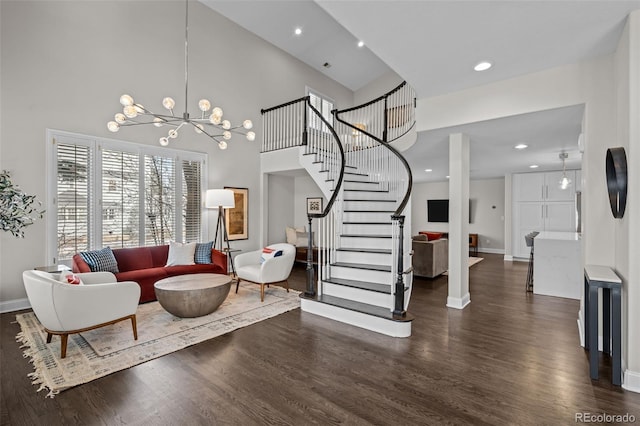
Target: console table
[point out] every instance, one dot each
(603, 277)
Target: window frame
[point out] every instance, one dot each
(323, 98)
(96, 144)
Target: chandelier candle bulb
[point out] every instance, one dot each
(226, 124)
(247, 124)
(126, 100)
(120, 118)
(204, 105)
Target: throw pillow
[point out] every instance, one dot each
(203, 252)
(101, 260)
(269, 253)
(291, 234)
(181, 254)
(70, 278)
(302, 239)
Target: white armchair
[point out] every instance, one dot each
(273, 270)
(65, 309)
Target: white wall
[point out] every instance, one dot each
(66, 63)
(487, 221)
(627, 229)
(281, 207)
(377, 88)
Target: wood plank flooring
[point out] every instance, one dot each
(509, 358)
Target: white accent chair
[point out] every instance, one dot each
(271, 271)
(65, 309)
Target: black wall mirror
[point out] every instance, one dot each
(616, 164)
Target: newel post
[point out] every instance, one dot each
(310, 292)
(399, 290)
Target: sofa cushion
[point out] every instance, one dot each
(159, 255)
(198, 268)
(145, 278)
(132, 259)
(203, 252)
(101, 260)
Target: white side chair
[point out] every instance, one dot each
(65, 309)
(271, 271)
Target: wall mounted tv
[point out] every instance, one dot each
(438, 211)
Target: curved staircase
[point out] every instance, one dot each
(364, 276)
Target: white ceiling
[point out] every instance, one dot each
(434, 46)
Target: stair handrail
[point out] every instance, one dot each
(305, 124)
(384, 141)
(398, 308)
(310, 292)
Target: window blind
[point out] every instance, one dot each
(120, 198)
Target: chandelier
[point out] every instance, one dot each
(209, 122)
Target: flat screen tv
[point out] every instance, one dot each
(438, 210)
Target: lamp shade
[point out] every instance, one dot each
(220, 197)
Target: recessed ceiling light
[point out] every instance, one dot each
(521, 146)
(297, 31)
(360, 43)
(533, 166)
(482, 66)
(428, 170)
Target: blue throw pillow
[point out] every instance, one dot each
(203, 252)
(100, 260)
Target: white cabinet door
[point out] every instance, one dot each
(528, 218)
(560, 216)
(528, 186)
(552, 190)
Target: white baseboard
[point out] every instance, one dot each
(508, 258)
(490, 250)
(14, 305)
(458, 302)
(631, 381)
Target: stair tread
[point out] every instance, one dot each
(368, 211)
(365, 285)
(356, 174)
(365, 250)
(366, 235)
(368, 190)
(362, 181)
(365, 308)
(382, 268)
(370, 201)
(367, 223)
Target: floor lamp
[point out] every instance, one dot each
(221, 199)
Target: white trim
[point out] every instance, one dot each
(508, 258)
(14, 305)
(490, 250)
(631, 381)
(580, 328)
(458, 302)
(358, 319)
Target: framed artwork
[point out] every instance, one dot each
(314, 205)
(237, 218)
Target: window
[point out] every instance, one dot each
(324, 105)
(110, 193)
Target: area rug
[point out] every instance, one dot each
(103, 351)
(472, 261)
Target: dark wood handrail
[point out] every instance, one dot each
(379, 98)
(295, 101)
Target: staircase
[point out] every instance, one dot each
(364, 276)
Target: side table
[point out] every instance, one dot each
(229, 252)
(603, 277)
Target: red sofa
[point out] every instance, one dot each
(146, 265)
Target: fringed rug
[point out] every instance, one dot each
(103, 351)
(472, 261)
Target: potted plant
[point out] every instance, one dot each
(17, 209)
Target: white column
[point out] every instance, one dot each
(458, 221)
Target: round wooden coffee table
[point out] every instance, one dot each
(192, 295)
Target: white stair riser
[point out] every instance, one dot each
(369, 229)
(379, 277)
(358, 319)
(366, 216)
(372, 186)
(360, 257)
(369, 195)
(364, 296)
(363, 242)
(367, 205)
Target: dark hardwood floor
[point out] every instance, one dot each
(508, 358)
